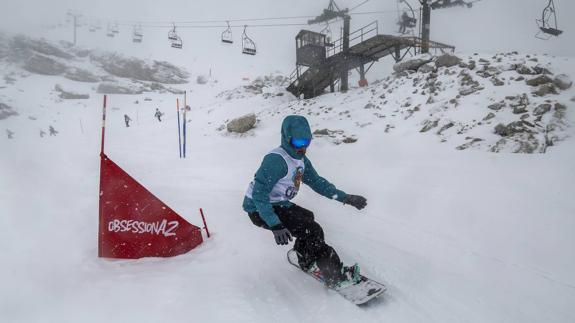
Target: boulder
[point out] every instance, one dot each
(496, 106)
(6, 111)
(525, 70)
(520, 110)
(562, 81)
(242, 124)
(539, 80)
(490, 116)
(81, 75)
(41, 64)
(428, 125)
(447, 60)
(426, 68)
(202, 79)
(542, 109)
(545, 89)
(410, 64)
(512, 128)
(470, 90)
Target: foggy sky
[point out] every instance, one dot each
(490, 26)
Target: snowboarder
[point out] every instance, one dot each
(53, 131)
(158, 114)
(267, 202)
(10, 134)
(127, 120)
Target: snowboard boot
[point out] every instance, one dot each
(314, 270)
(349, 276)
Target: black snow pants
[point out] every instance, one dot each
(309, 243)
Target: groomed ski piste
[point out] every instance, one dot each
(456, 235)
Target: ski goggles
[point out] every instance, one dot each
(299, 143)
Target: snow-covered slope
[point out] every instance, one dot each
(458, 236)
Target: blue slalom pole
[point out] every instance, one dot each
(185, 108)
(179, 135)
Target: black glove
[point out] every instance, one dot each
(357, 201)
(281, 234)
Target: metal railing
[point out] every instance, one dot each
(356, 37)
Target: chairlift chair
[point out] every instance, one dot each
(248, 45)
(548, 22)
(177, 43)
(328, 35)
(137, 35)
(407, 21)
(227, 36)
(110, 33)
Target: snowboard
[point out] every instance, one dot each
(361, 293)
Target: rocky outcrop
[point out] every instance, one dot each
(25, 46)
(41, 64)
(116, 88)
(242, 124)
(134, 68)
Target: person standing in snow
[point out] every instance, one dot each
(127, 120)
(10, 134)
(158, 114)
(53, 131)
(267, 202)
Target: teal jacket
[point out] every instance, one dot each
(274, 167)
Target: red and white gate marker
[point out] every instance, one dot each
(133, 222)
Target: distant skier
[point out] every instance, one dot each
(53, 131)
(127, 120)
(10, 134)
(42, 133)
(267, 202)
(158, 114)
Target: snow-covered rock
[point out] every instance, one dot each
(447, 60)
(563, 81)
(411, 64)
(81, 75)
(68, 95)
(202, 79)
(242, 124)
(539, 80)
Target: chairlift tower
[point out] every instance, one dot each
(333, 12)
(75, 17)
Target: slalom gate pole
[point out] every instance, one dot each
(103, 126)
(205, 225)
(185, 108)
(179, 135)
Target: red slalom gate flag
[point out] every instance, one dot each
(134, 223)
